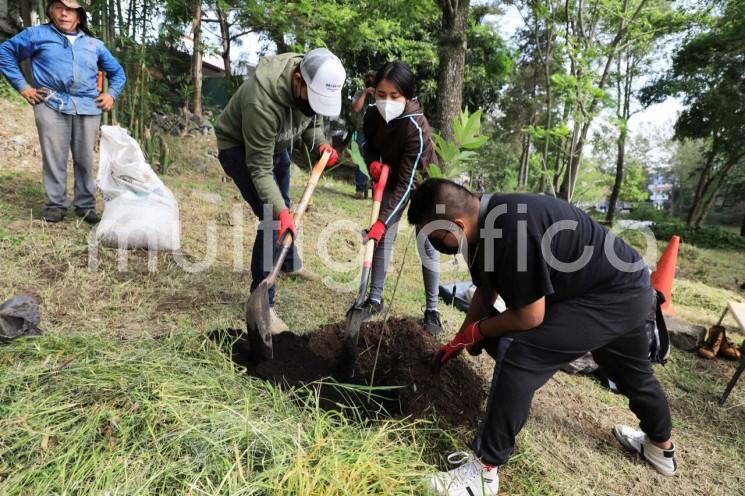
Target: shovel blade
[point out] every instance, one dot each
(259, 324)
(355, 318)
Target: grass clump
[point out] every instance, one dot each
(87, 415)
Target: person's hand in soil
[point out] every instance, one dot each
(32, 95)
(468, 338)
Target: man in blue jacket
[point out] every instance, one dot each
(65, 60)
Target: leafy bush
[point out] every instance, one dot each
(648, 212)
(456, 157)
(704, 237)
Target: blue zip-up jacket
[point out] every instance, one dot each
(70, 71)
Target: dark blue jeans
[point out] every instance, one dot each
(233, 162)
(360, 179)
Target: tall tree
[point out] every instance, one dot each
(226, 39)
(453, 45)
(196, 59)
(589, 27)
(573, 46)
(708, 73)
(633, 63)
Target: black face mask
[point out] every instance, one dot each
(303, 105)
(443, 248)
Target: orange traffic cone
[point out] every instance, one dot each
(662, 278)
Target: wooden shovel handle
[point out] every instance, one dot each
(287, 241)
(315, 175)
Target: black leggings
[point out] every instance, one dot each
(609, 325)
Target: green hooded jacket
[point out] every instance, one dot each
(261, 118)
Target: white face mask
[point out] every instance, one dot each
(390, 109)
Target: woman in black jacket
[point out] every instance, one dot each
(398, 135)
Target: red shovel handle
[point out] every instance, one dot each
(379, 187)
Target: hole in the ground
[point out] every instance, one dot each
(404, 384)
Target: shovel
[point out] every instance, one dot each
(356, 314)
(258, 319)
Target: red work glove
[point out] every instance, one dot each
(469, 338)
(334, 154)
(376, 231)
(286, 223)
(376, 168)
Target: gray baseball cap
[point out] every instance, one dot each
(325, 75)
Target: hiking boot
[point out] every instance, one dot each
(54, 214)
(432, 323)
(303, 273)
(727, 349)
(472, 478)
(359, 195)
(278, 326)
(633, 440)
(710, 349)
(88, 216)
(372, 308)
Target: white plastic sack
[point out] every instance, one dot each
(140, 211)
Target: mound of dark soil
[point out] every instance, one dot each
(402, 368)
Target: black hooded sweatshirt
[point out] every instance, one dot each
(405, 144)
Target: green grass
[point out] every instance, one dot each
(87, 415)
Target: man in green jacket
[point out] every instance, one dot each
(286, 99)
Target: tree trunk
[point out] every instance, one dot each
(549, 92)
(698, 195)
(29, 13)
(6, 27)
(453, 45)
(222, 18)
(620, 162)
(571, 166)
(560, 154)
(711, 190)
(120, 18)
(31, 16)
(623, 114)
(196, 60)
(131, 28)
(524, 161)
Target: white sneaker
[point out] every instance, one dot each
(278, 326)
(472, 478)
(661, 459)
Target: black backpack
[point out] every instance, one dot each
(659, 337)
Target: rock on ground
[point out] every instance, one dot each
(684, 335)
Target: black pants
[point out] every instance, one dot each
(609, 325)
(265, 249)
